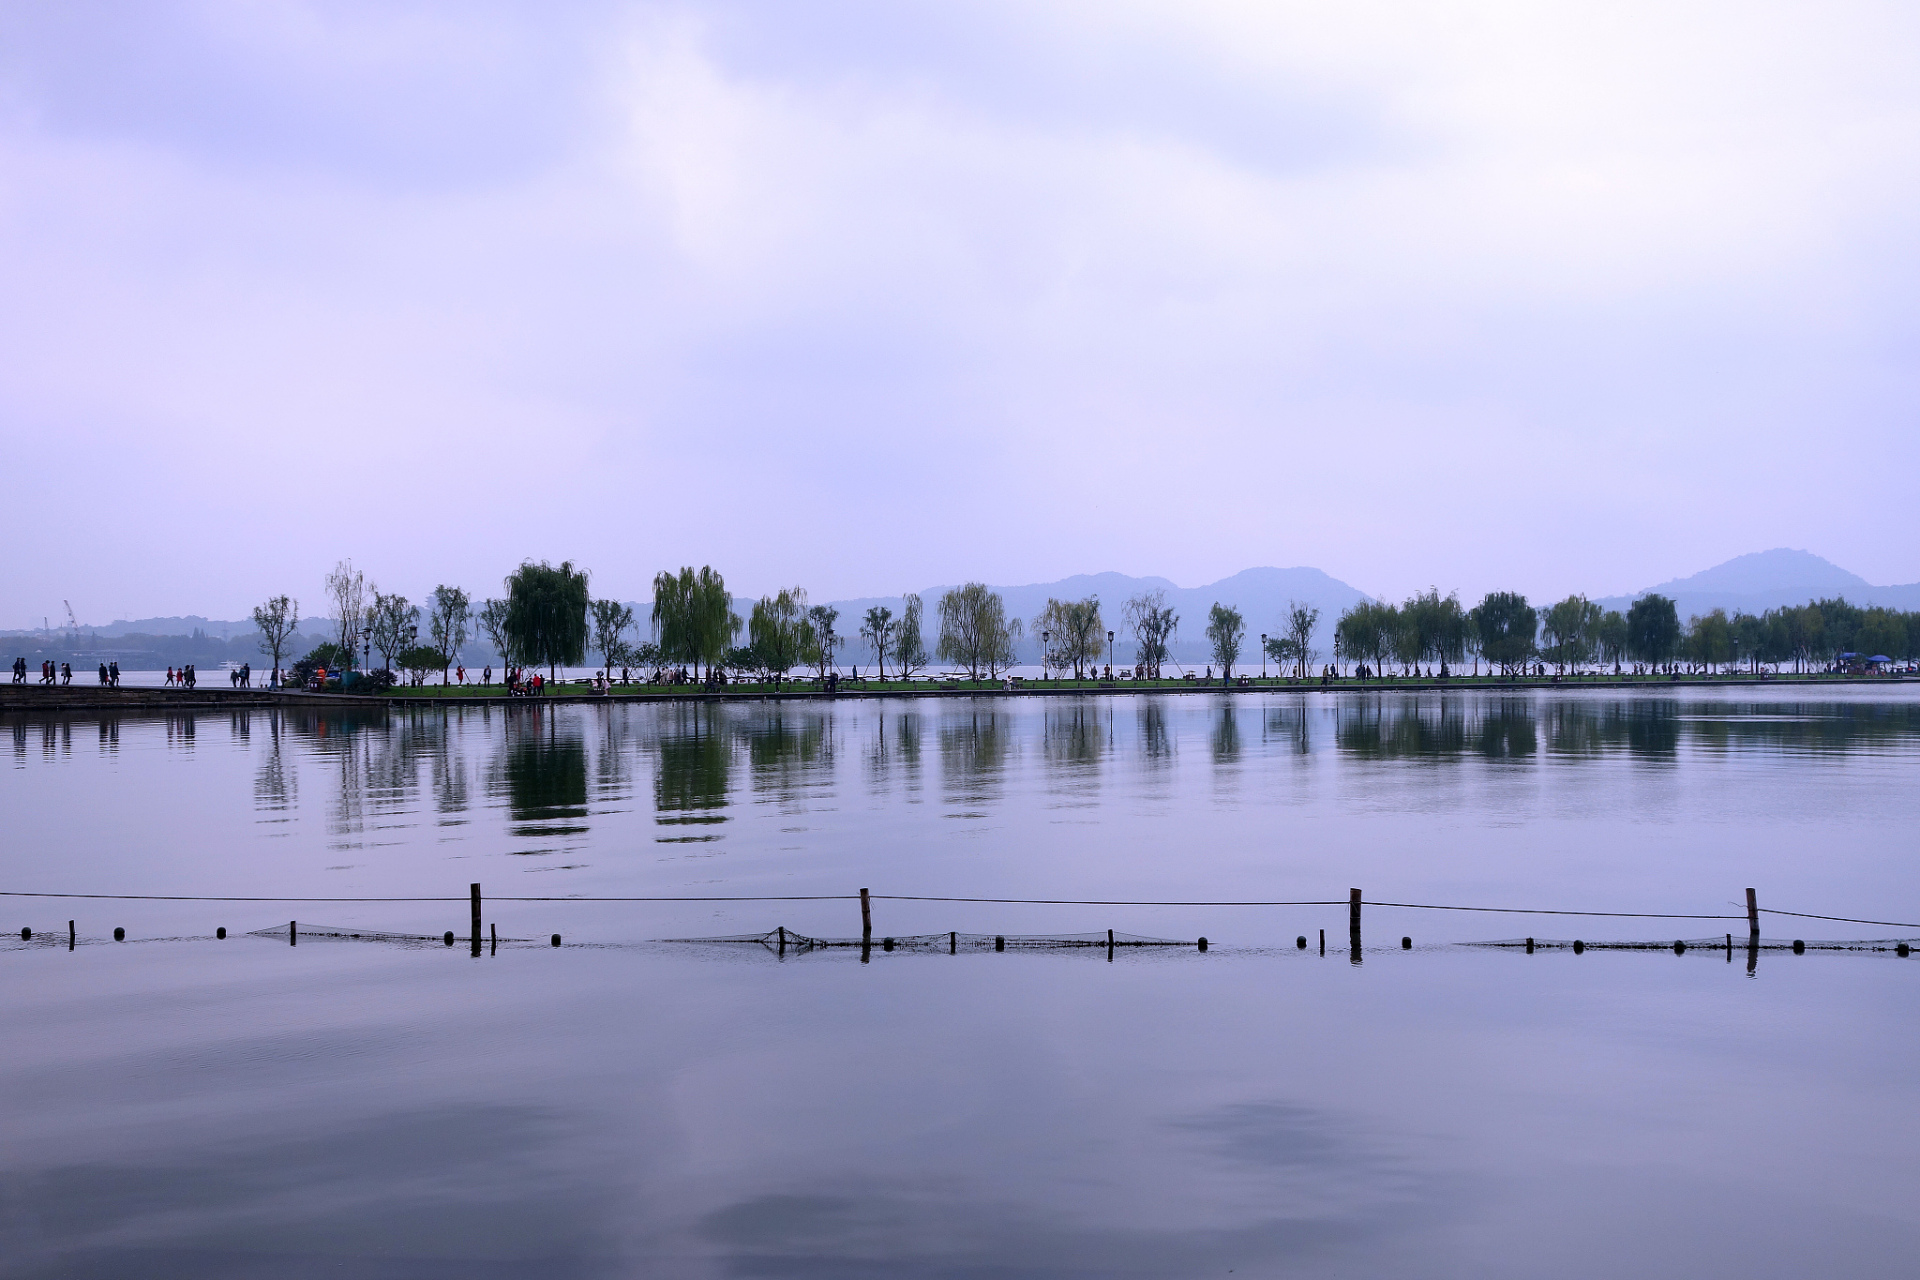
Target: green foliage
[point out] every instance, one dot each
(909, 650)
(1610, 637)
(326, 654)
(693, 616)
(1225, 630)
(449, 618)
(418, 660)
(546, 618)
(1505, 625)
(822, 639)
(777, 631)
(1653, 629)
(975, 631)
(1709, 640)
(1077, 636)
(1366, 633)
(1570, 630)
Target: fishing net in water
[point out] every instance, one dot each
(784, 940)
(301, 931)
(1719, 945)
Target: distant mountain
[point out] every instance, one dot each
(1764, 580)
(1261, 595)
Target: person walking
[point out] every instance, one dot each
(113, 674)
(66, 673)
(103, 674)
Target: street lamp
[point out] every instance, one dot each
(1263, 655)
(1109, 655)
(1046, 638)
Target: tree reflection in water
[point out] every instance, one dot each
(690, 782)
(545, 772)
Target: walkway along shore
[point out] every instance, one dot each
(43, 698)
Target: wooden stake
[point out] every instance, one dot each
(473, 896)
(866, 915)
(1753, 916)
(1353, 912)
(293, 933)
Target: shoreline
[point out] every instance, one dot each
(34, 698)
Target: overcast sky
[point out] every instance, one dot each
(869, 296)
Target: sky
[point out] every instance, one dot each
(872, 296)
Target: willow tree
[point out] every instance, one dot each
(547, 615)
(610, 622)
(1365, 633)
(909, 648)
(1653, 629)
(693, 617)
(878, 631)
(1153, 624)
(1225, 630)
(450, 622)
(1434, 628)
(1301, 620)
(1506, 626)
(1571, 630)
(1077, 634)
(777, 630)
(975, 631)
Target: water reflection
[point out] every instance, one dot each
(974, 746)
(545, 772)
(893, 755)
(1226, 734)
(1156, 742)
(1073, 735)
(786, 752)
(691, 780)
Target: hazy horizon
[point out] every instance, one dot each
(866, 297)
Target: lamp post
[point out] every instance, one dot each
(1046, 638)
(1109, 655)
(1263, 655)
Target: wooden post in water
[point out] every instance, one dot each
(493, 939)
(473, 899)
(1323, 942)
(866, 917)
(72, 936)
(1753, 917)
(1353, 915)
(293, 933)
(953, 942)
(1109, 944)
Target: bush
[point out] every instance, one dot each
(326, 654)
(419, 660)
(371, 682)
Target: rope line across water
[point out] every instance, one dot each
(910, 897)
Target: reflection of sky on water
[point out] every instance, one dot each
(194, 1108)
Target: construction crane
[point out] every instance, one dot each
(73, 627)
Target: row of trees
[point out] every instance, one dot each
(547, 617)
(1508, 633)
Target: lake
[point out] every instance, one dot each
(622, 1106)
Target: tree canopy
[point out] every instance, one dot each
(546, 619)
(975, 631)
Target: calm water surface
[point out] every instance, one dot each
(624, 1107)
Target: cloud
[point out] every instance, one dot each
(866, 295)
